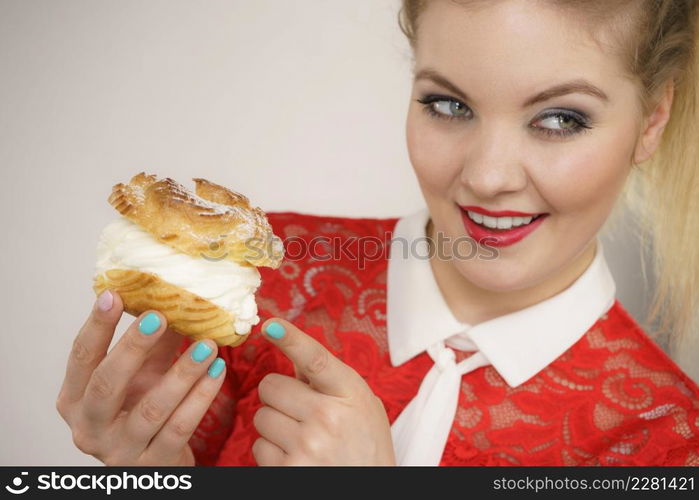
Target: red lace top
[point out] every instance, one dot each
(613, 398)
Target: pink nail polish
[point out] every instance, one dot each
(105, 301)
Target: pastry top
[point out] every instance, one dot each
(213, 223)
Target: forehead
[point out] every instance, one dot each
(502, 44)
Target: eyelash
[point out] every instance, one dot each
(582, 121)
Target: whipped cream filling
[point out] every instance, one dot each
(125, 245)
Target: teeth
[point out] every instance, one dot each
(490, 222)
(476, 217)
(504, 222)
(499, 222)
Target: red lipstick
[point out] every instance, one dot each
(499, 238)
(501, 213)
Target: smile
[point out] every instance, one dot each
(502, 230)
(502, 223)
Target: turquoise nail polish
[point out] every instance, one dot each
(216, 367)
(201, 352)
(275, 330)
(149, 324)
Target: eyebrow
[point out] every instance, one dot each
(573, 86)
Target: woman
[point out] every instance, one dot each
(502, 346)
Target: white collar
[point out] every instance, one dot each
(519, 344)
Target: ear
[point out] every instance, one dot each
(654, 125)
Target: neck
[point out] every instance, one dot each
(471, 304)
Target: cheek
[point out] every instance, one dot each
(586, 179)
(433, 155)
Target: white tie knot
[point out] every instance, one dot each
(421, 430)
(442, 356)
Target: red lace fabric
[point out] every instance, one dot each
(613, 398)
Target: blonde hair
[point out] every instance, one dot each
(658, 42)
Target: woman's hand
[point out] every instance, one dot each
(328, 415)
(133, 406)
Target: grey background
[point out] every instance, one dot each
(299, 105)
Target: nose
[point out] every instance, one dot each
(494, 165)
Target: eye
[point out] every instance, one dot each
(444, 108)
(564, 122)
(567, 123)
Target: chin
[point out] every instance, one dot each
(494, 276)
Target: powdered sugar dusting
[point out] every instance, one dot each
(247, 219)
(137, 191)
(216, 223)
(208, 207)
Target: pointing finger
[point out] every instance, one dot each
(311, 359)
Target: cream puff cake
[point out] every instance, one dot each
(191, 256)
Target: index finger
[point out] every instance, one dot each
(323, 370)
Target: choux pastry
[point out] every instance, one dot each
(191, 256)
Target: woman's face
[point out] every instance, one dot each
(477, 141)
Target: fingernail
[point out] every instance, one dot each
(105, 301)
(275, 330)
(149, 324)
(201, 352)
(216, 367)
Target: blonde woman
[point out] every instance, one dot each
(487, 331)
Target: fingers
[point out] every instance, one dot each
(277, 428)
(324, 371)
(267, 453)
(164, 352)
(90, 345)
(288, 395)
(178, 429)
(156, 406)
(299, 375)
(105, 391)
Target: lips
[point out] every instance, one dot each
(500, 237)
(501, 213)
